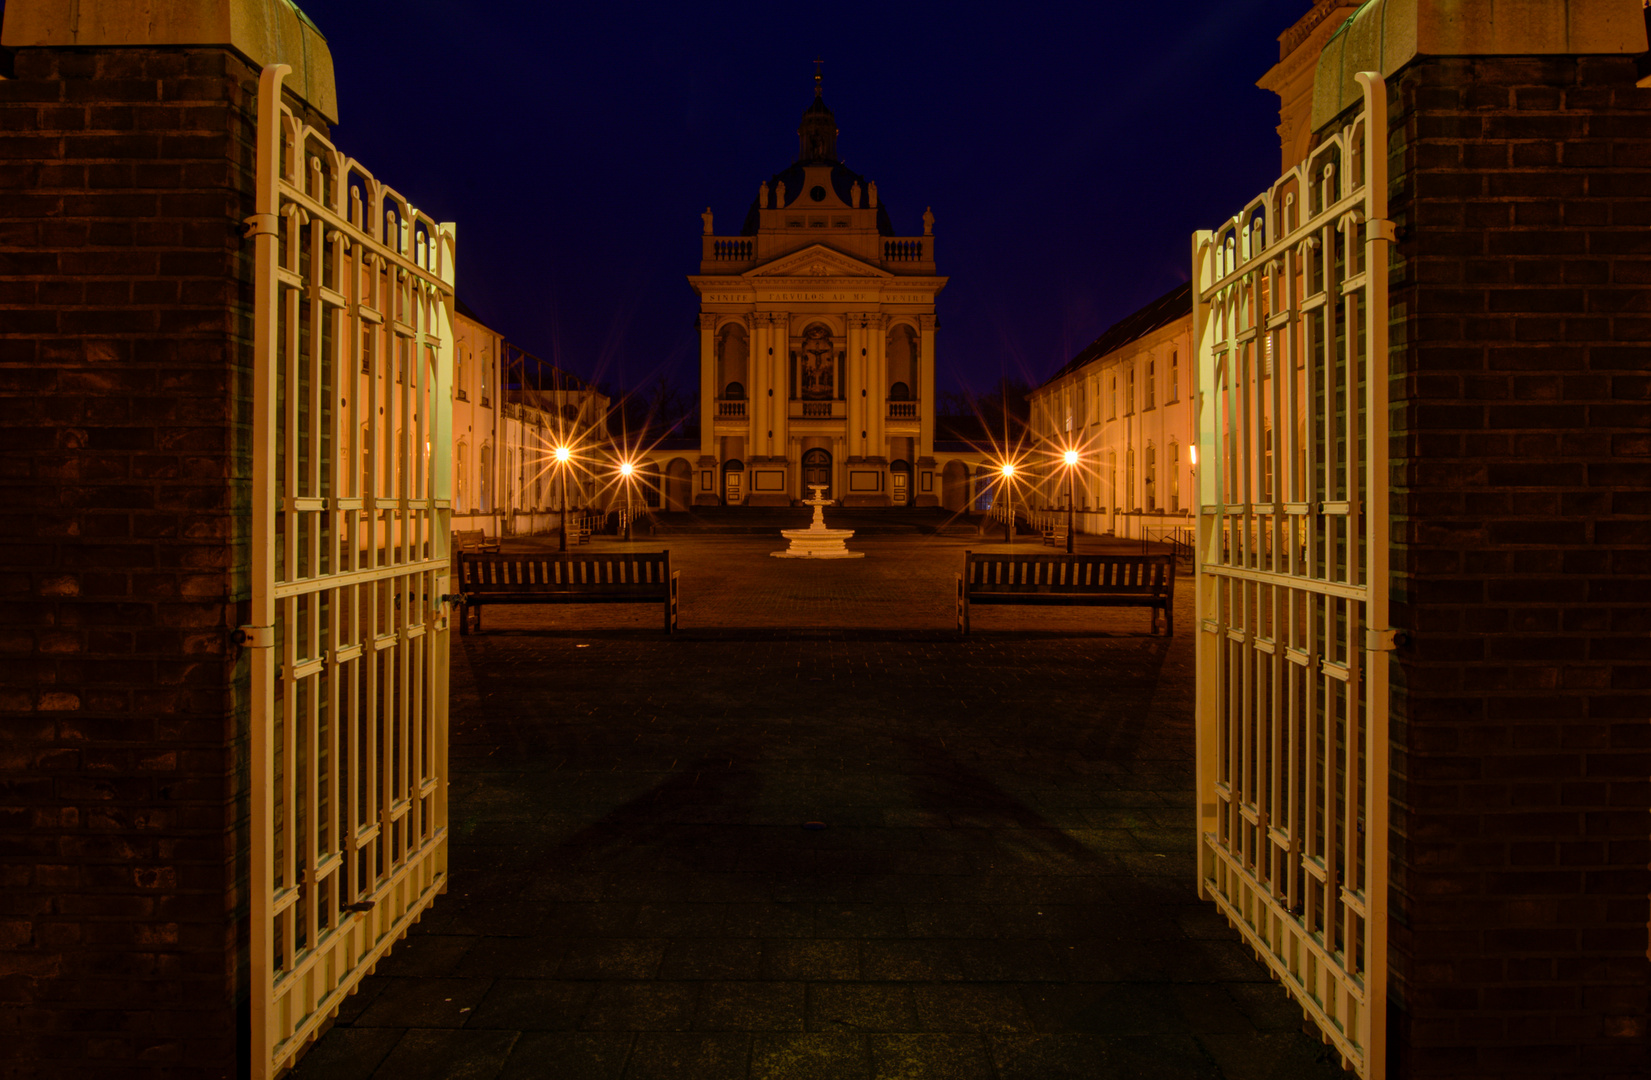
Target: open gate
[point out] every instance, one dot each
(349, 643)
(1290, 319)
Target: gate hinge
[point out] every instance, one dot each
(262, 225)
(1384, 640)
(253, 637)
(1381, 229)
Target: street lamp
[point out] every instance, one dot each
(625, 470)
(562, 456)
(1008, 471)
(1071, 458)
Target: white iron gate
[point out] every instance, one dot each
(349, 643)
(1290, 319)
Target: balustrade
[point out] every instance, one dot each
(902, 410)
(903, 251)
(730, 408)
(725, 249)
(817, 410)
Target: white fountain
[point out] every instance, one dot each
(817, 541)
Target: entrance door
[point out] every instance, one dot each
(347, 642)
(816, 470)
(733, 482)
(899, 483)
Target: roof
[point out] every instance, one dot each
(1175, 304)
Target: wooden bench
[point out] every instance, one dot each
(643, 577)
(1055, 535)
(1069, 580)
(473, 540)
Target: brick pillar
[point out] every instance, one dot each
(125, 371)
(1521, 567)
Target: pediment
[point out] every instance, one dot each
(816, 260)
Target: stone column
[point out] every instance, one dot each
(704, 494)
(779, 342)
(924, 465)
(854, 381)
(877, 402)
(756, 406)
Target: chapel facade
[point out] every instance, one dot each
(817, 342)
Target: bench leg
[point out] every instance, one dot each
(464, 618)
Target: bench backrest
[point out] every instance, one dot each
(463, 538)
(1118, 575)
(639, 571)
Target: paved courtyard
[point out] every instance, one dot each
(1003, 887)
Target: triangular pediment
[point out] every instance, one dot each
(816, 260)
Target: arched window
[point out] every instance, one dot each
(462, 487)
(1149, 480)
(486, 506)
(899, 392)
(733, 351)
(734, 392)
(1174, 477)
(1128, 500)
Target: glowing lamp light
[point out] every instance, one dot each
(1071, 457)
(1192, 455)
(625, 468)
(563, 453)
(1008, 469)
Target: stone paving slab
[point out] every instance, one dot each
(1003, 887)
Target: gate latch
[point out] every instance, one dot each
(254, 637)
(1384, 640)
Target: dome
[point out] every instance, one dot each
(816, 146)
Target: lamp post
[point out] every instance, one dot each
(1071, 458)
(625, 470)
(562, 456)
(1008, 471)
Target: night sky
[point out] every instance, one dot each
(1068, 152)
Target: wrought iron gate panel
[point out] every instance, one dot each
(1290, 321)
(351, 444)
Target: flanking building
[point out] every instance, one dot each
(1125, 404)
(817, 342)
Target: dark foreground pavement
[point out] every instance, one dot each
(1003, 887)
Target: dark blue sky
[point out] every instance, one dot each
(1068, 151)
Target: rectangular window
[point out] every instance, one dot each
(1150, 400)
(1129, 392)
(1174, 388)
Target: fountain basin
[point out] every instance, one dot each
(816, 543)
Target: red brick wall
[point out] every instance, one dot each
(125, 321)
(1521, 567)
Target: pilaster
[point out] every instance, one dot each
(756, 410)
(927, 325)
(878, 378)
(707, 384)
(779, 343)
(854, 384)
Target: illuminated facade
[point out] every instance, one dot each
(817, 342)
(1125, 404)
(510, 410)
